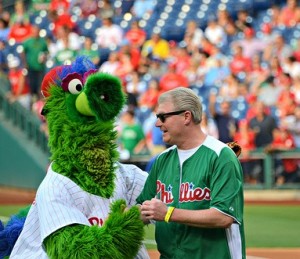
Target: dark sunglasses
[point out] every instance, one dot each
(163, 116)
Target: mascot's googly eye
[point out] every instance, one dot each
(72, 83)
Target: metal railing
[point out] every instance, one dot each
(22, 118)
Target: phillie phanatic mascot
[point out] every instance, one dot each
(85, 206)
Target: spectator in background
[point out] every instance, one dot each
(157, 68)
(239, 62)
(250, 43)
(61, 20)
(226, 124)
(156, 47)
(290, 14)
(274, 67)
(208, 126)
(229, 88)
(172, 79)
(275, 15)
(20, 15)
(257, 72)
(194, 33)
(109, 35)
(215, 33)
(243, 20)
(215, 56)
(65, 55)
(135, 35)
(39, 5)
(245, 137)
(90, 50)
(148, 99)
(292, 124)
(142, 7)
(73, 38)
(88, 7)
(111, 65)
(216, 73)
(133, 51)
(131, 137)
(154, 137)
(20, 90)
(4, 30)
(296, 49)
(4, 14)
(106, 9)
(263, 124)
(286, 169)
(225, 20)
(267, 35)
(60, 6)
(267, 90)
(125, 66)
(135, 85)
(181, 60)
(193, 73)
(34, 57)
(3, 58)
(286, 100)
(295, 89)
(278, 48)
(291, 66)
(20, 31)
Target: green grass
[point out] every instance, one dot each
(265, 225)
(272, 226)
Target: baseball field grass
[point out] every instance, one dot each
(265, 225)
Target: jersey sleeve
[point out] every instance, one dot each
(135, 179)
(56, 209)
(227, 186)
(149, 190)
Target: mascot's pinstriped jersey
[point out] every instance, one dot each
(195, 189)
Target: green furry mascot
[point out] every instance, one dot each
(84, 208)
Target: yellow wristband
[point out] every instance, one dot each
(169, 214)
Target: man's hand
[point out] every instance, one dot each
(154, 209)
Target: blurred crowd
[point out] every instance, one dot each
(248, 77)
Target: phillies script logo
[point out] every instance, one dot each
(96, 221)
(188, 192)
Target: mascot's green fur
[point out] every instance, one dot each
(81, 107)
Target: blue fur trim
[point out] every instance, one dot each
(9, 234)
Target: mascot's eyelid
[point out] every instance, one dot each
(90, 72)
(66, 80)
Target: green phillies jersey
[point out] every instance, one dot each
(210, 178)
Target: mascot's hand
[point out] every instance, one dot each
(237, 149)
(120, 237)
(126, 227)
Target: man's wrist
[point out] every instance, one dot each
(169, 214)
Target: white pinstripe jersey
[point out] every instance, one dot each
(60, 202)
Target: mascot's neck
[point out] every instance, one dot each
(86, 156)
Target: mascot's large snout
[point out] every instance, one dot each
(101, 96)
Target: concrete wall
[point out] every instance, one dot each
(22, 163)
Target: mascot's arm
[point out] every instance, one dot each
(10, 233)
(120, 237)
